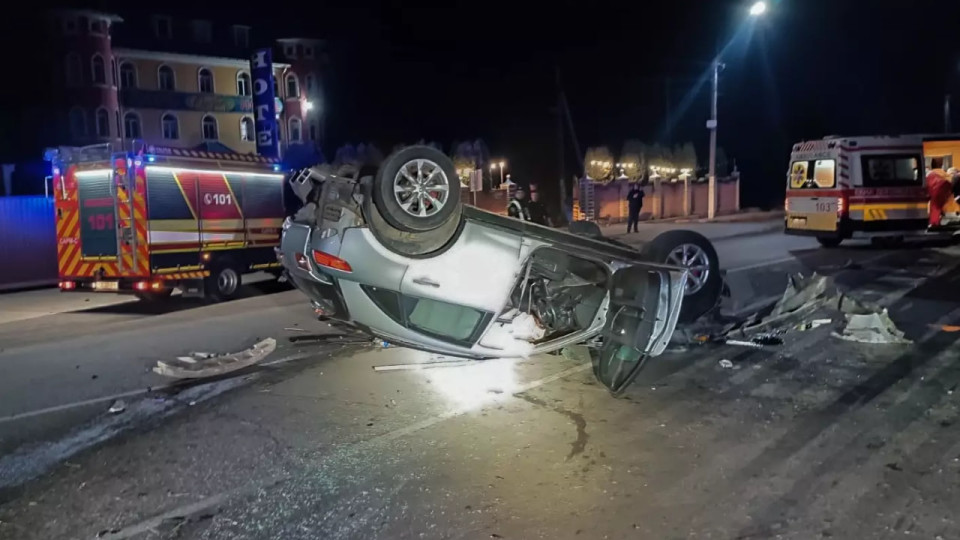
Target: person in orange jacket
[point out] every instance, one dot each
(940, 190)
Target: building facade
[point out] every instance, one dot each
(176, 83)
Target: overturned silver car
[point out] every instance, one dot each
(398, 256)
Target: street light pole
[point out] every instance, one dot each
(712, 126)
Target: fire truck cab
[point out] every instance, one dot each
(147, 220)
(865, 187)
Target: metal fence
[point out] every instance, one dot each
(28, 242)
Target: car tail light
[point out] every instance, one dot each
(68, 285)
(325, 259)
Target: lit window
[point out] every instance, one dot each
(74, 76)
(97, 70)
(131, 126)
(293, 86)
(241, 36)
(103, 123)
(311, 83)
(165, 78)
(162, 27)
(202, 32)
(246, 129)
(170, 127)
(78, 123)
(128, 75)
(209, 127)
(243, 84)
(295, 127)
(205, 81)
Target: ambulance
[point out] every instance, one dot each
(842, 188)
(147, 220)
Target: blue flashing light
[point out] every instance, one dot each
(276, 167)
(151, 159)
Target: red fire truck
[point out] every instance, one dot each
(147, 220)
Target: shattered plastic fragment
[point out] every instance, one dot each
(726, 364)
(118, 407)
(871, 328)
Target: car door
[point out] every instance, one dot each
(644, 306)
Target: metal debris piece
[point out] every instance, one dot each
(294, 329)
(871, 328)
(212, 365)
(118, 407)
(726, 364)
(739, 343)
(767, 339)
(425, 365)
(816, 323)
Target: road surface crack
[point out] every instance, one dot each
(578, 445)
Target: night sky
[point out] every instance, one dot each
(447, 71)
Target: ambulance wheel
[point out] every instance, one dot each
(417, 189)
(224, 283)
(829, 241)
(153, 297)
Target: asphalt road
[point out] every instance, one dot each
(815, 438)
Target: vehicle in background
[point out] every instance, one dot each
(398, 256)
(149, 220)
(865, 187)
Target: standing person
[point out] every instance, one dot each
(518, 207)
(635, 200)
(537, 210)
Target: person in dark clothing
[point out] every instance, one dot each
(635, 202)
(538, 212)
(519, 207)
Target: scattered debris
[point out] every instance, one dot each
(810, 325)
(292, 329)
(203, 365)
(416, 366)
(950, 328)
(739, 343)
(767, 339)
(871, 328)
(726, 364)
(118, 407)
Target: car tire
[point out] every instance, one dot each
(223, 283)
(703, 294)
(412, 244)
(829, 242)
(401, 189)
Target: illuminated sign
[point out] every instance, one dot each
(264, 105)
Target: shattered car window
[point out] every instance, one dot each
(441, 319)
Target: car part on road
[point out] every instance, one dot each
(726, 364)
(872, 328)
(206, 366)
(417, 189)
(692, 251)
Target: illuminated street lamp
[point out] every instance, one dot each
(308, 105)
(756, 10)
(501, 165)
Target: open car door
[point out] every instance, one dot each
(644, 306)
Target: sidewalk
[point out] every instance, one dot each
(721, 228)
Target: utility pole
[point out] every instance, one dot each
(712, 126)
(946, 113)
(560, 167)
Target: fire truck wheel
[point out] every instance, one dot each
(159, 296)
(417, 189)
(224, 283)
